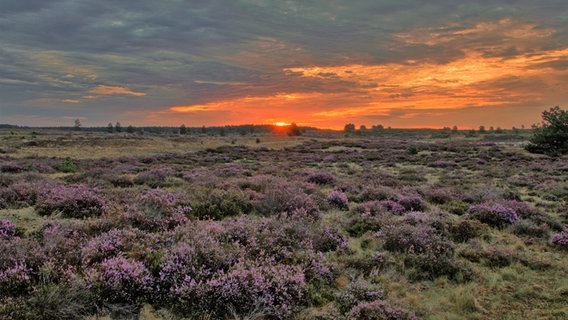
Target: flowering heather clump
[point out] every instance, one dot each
(322, 178)
(414, 239)
(379, 310)
(62, 242)
(120, 280)
(338, 199)
(155, 177)
(159, 202)
(15, 279)
(358, 291)
(329, 239)
(286, 198)
(109, 244)
(495, 215)
(74, 201)
(274, 289)
(7, 229)
(392, 206)
(412, 202)
(561, 239)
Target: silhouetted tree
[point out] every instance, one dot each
(130, 129)
(110, 128)
(118, 127)
(551, 136)
(77, 126)
(182, 129)
(293, 130)
(482, 129)
(349, 128)
(204, 130)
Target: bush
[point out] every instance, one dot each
(75, 201)
(321, 178)
(120, 280)
(495, 215)
(283, 198)
(358, 291)
(466, 229)
(551, 136)
(7, 229)
(412, 202)
(338, 199)
(561, 239)
(379, 310)
(218, 204)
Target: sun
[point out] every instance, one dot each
(281, 124)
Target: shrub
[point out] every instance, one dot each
(67, 165)
(379, 310)
(74, 201)
(465, 230)
(156, 177)
(412, 202)
(358, 291)
(158, 210)
(561, 239)
(283, 198)
(338, 199)
(218, 204)
(16, 278)
(109, 244)
(322, 178)
(7, 229)
(120, 280)
(551, 136)
(495, 215)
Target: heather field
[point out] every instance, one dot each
(400, 224)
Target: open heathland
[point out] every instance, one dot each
(397, 224)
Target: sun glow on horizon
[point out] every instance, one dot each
(281, 124)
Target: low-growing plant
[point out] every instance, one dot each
(560, 240)
(338, 199)
(495, 215)
(379, 310)
(120, 280)
(218, 204)
(73, 201)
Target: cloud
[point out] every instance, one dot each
(110, 90)
(373, 57)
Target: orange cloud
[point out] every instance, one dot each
(110, 90)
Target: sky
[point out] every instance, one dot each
(321, 63)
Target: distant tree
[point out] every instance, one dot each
(110, 128)
(77, 126)
(363, 128)
(130, 129)
(550, 137)
(182, 129)
(499, 130)
(118, 127)
(349, 128)
(204, 130)
(491, 129)
(455, 129)
(515, 130)
(222, 132)
(378, 127)
(482, 129)
(293, 130)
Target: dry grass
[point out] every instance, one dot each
(86, 145)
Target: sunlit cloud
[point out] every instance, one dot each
(110, 90)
